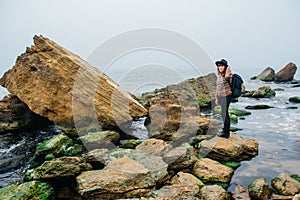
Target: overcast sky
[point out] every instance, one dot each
(250, 34)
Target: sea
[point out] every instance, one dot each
(276, 129)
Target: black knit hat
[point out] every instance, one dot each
(222, 62)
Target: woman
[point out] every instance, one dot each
(223, 95)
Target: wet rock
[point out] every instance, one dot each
(213, 192)
(260, 189)
(234, 113)
(286, 185)
(258, 107)
(281, 197)
(123, 178)
(262, 92)
(234, 148)
(101, 139)
(14, 162)
(16, 116)
(295, 99)
(286, 73)
(177, 192)
(55, 145)
(266, 75)
(27, 190)
(59, 85)
(58, 168)
(208, 171)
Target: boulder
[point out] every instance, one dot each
(238, 192)
(123, 178)
(55, 145)
(295, 99)
(286, 185)
(100, 139)
(177, 192)
(59, 85)
(260, 189)
(234, 148)
(182, 178)
(212, 171)
(262, 92)
(27, 190)
(266, 75)
(213, 192)
(58, 168)
(16, 116)
(193, 90)
(286, 73)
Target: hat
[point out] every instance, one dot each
(222, 62)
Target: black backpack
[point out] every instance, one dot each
(236, 85)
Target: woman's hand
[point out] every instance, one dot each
(217, 102)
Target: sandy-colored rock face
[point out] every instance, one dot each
(59, 85)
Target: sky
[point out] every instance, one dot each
(250, 34)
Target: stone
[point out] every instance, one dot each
(154, 147)
(28, 190)
(258, 107)
(286, 185)
(193, 90)
(281, 197)
(295, 99)
(55, 145)
(123, 178)
(234, 148)
(209, 171)
(262, 92)
(16, 116)
(100, 139)
(286, 73)
(177, 192)
(213, 192)
(260, 189)
(266, 75)
(58, 168)
(182, 178)
(296, 197)
(59, 85)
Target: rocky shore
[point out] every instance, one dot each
(182, 159)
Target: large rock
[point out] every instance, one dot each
(123, 178)
(213, 192)
(59, 85)
(16, 116)
(212, 171)
(266, 75)
(286, 185)
(29, 190)
(58, 168)
(262, 92)
(286, 73)
(191, 90)
(260, 189)
(177, 192)
(234, 148)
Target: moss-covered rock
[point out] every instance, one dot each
(55, 145)
(100, 139)
(28, 190)
(58, 168)
(262, 92)
(260, 189)
(286, 185)
(295, 99)
(234, 113)
(130, 144)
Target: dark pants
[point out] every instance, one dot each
(224, 102)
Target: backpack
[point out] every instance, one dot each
(236, 85)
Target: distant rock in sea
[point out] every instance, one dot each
(286, 73)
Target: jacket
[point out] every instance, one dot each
(223, 83)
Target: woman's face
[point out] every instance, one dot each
(221, 68)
